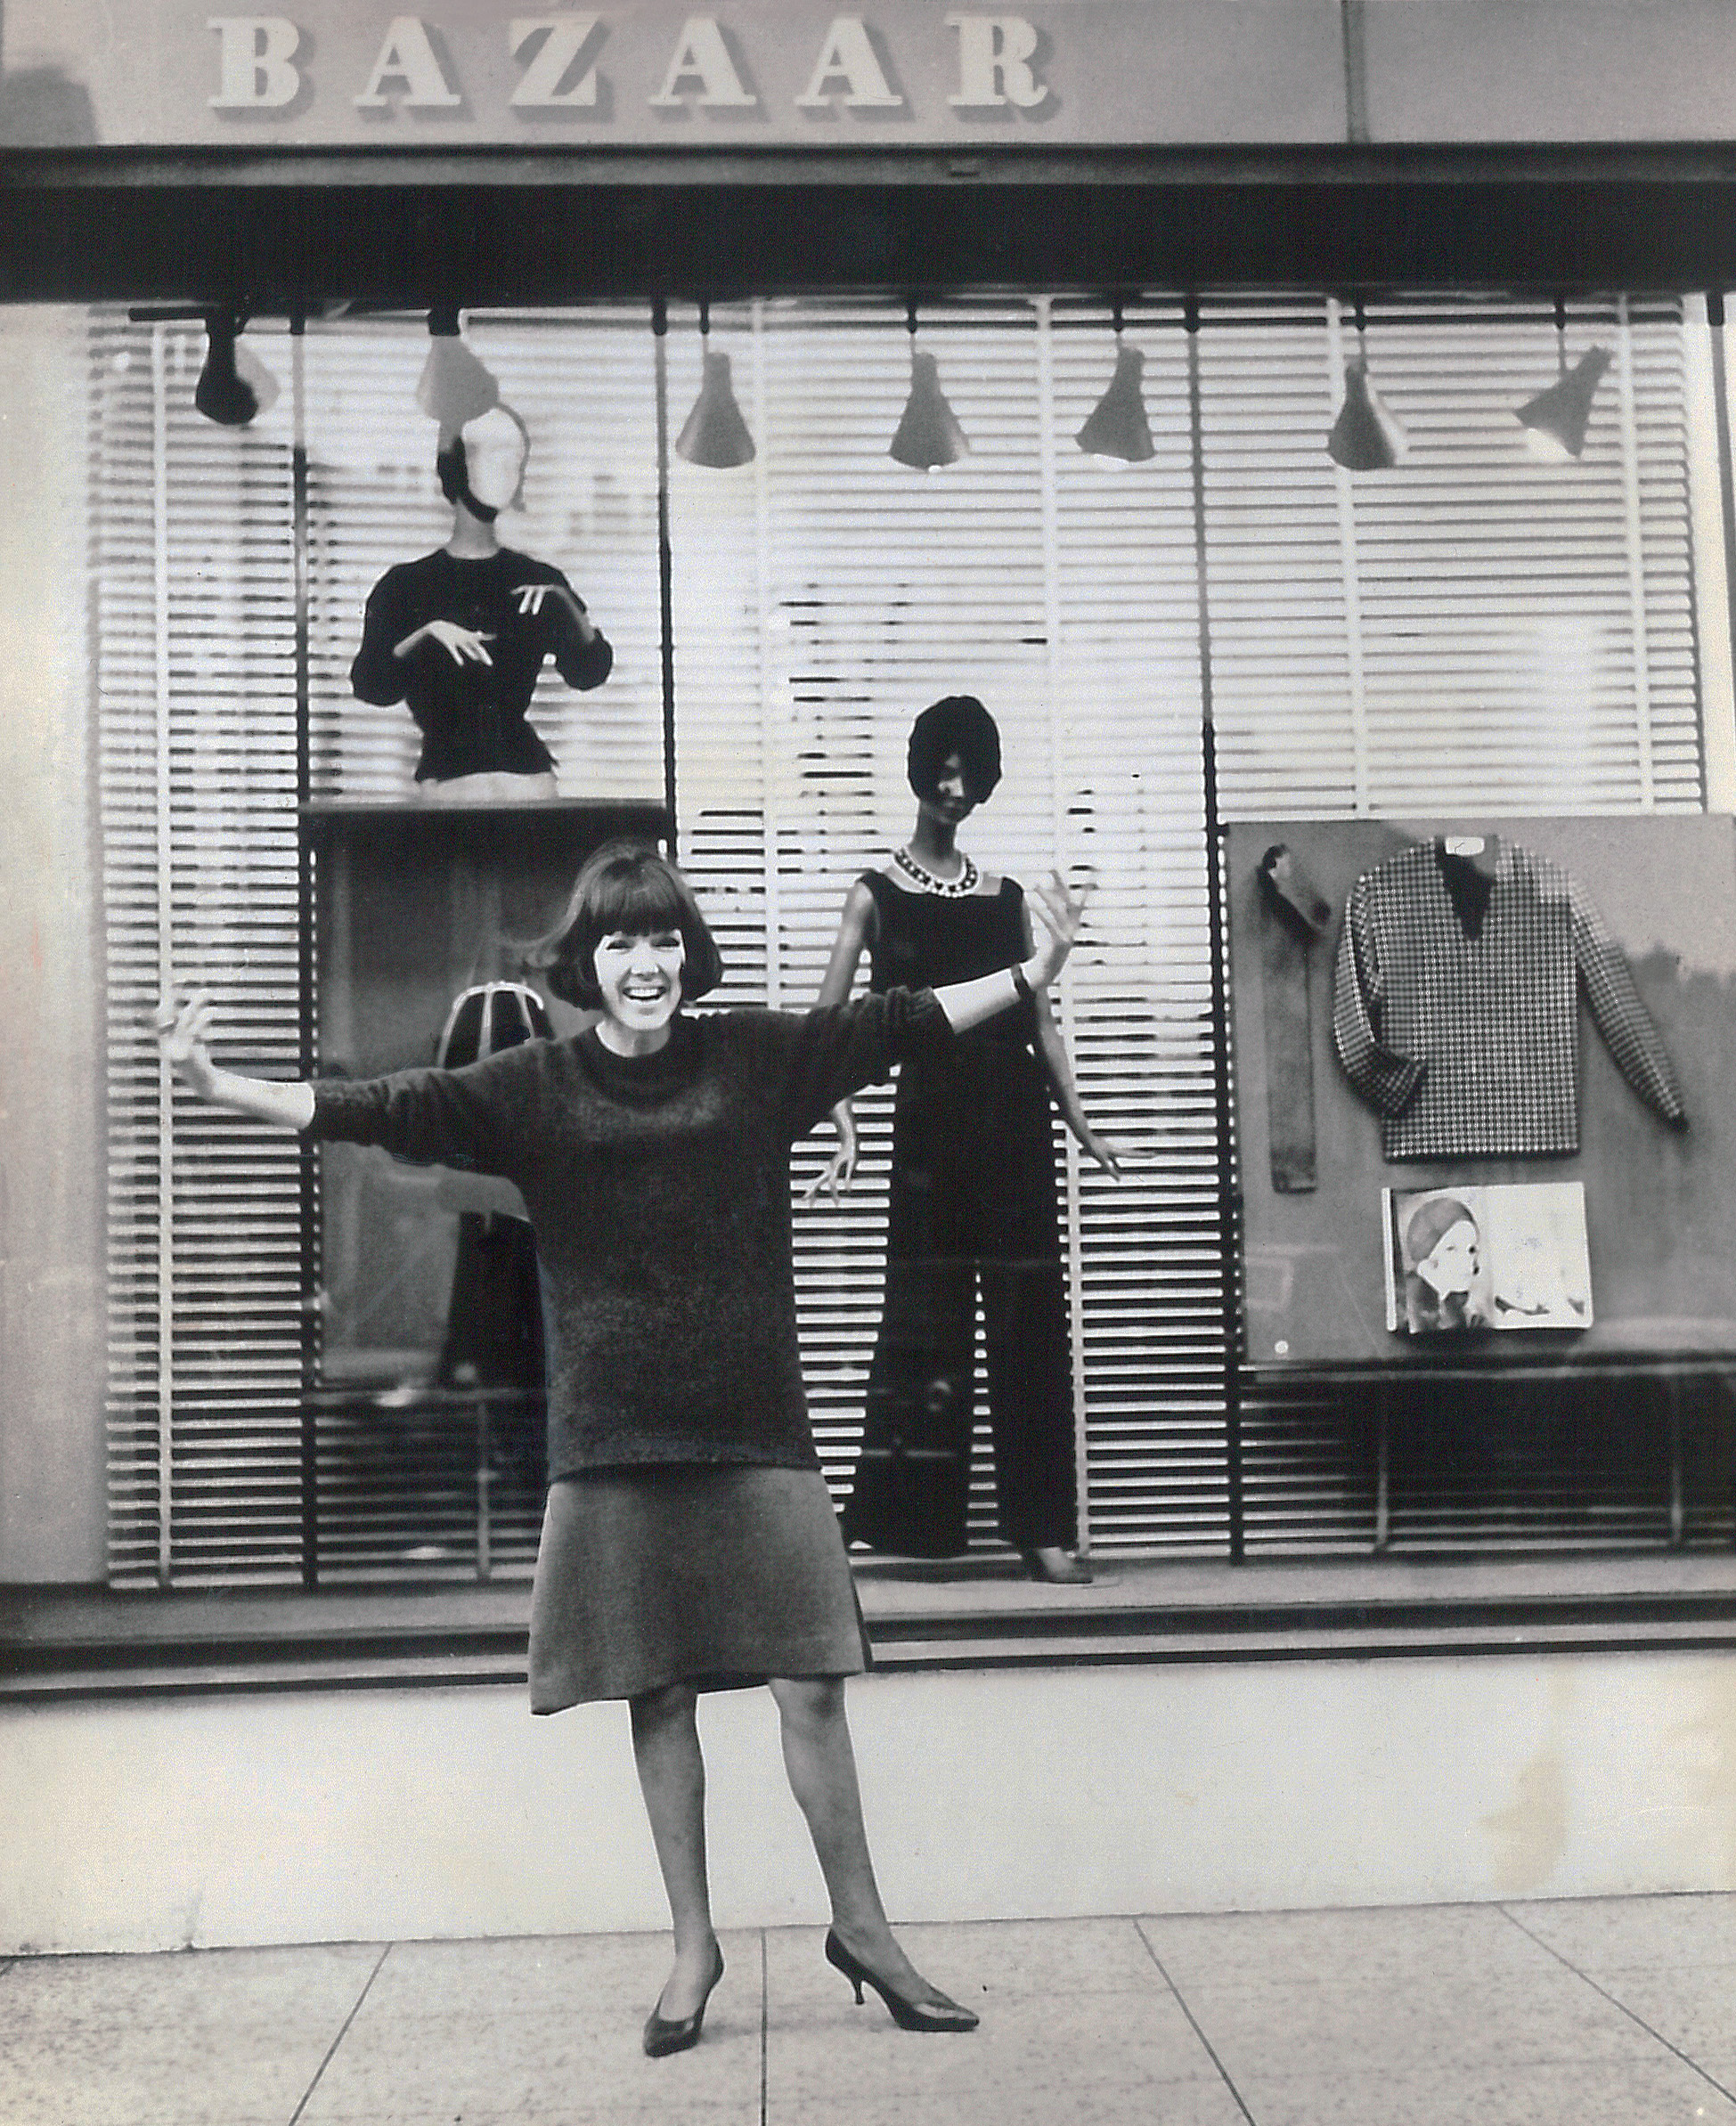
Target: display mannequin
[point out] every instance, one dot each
(461, 635)
(972, 1204)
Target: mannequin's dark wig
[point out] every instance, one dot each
(625, 888)
(958, 723)
(451, 468)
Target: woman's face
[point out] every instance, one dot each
(1452, 1264)
(951, 800)
(640, 976)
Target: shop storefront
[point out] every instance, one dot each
(1221, 640)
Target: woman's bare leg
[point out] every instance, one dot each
(671, 1776)
(821, 1764)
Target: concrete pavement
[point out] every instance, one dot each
(1599, 2011)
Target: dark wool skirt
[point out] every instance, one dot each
(716, 1577)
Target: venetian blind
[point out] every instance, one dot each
(825, 594)
(1470, 631)
(194, 604)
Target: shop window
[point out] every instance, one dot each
(1471, 632)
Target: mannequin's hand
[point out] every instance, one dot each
(1062, 913)
(531, 598)
(1104, 1153)
(462, 645)
(182, 1038)
(840, 1169)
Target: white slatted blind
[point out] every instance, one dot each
(1470, 629)
(195, 588)
(825, 594)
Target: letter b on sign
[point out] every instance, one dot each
(256, 61)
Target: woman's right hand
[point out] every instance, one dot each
(1062, 913)
(840, 1169)
(181, 1038)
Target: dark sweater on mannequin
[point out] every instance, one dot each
(472, 715)
(658, 1188)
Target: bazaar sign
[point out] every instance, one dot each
(324, 73)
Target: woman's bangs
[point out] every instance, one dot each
(635, 903)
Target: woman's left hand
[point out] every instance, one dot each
(1063, 911)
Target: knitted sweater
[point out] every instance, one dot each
(1463, 1034)
(471, 715)
(658, 1189)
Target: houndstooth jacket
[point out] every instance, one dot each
(1468, 1046)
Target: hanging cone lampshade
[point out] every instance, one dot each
(928, 433)
(234, 385)
(1117, 427)
(454, 386)
(1555, 422)
(715, 432)
(1365, 438)
(252, 371)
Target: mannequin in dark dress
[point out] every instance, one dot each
(972, 1194)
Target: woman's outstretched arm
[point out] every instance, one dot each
(847, 947)
(967, 1004)
(1053, 1050)
(831, 1051)
(183, 1037)
(476, 1116)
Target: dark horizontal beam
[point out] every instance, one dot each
(498, 228)
(580, 167)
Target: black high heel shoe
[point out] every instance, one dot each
(663, 2036)
(938, 2012)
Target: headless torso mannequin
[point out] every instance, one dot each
(461, 635)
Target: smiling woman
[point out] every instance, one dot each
(632, 944)
(689, 1541)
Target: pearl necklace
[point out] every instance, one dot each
(948, 889)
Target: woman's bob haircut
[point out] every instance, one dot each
(624, 888)
(957, 723)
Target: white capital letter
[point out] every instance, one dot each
(993, 51)
(847, 56)
(256, 61)
(702, 55)
(407, 56)
(541, 89)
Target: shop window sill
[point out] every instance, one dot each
(62, 1643)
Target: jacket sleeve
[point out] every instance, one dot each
(376, 675)
(1388, 1080)
(1621, 1018)
(824, 1055)
(476, 1116)
(582, 664)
